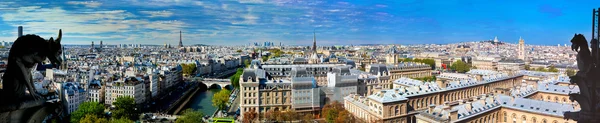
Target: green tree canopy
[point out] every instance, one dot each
(247, 63)
(460, 66)
(430, 62)
(191, 116)
(426, 79)
(527, 67)
(188, 69)
(570, 72)
(221, 98)
(552, 69)
(235, 78)
(542, 69)
(90, 118)
(125, 108)
(121, 120)
(94, 109)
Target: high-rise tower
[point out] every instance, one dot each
(180, 42)
(92, 47)
(521, 47)
(20, 31)
(314, 47)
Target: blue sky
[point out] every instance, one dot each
(237, 22)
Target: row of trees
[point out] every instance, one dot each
(191, 116)
(271, 115)
(276, 52)
(426, 79)
(429, 62)
(188, 69)
(289, 115)
(93, 112)
(335, 113)
(542, 69)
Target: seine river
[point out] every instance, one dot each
(202, 101)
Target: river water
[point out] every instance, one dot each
(203, 101)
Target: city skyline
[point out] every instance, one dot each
(292, 22)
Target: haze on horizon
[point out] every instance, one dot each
(238, 22)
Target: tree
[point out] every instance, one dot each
(238, 51)
(249, 116)
(570, 72)
(460, 66)
(542, 69)
(90, 118)
(330, 111)
(188, 69)
(527, 67)
(290, 115)
(308, 118)
(125, 108)
(265, 58)
(271, 115)
(220, 99)
(552, 69)
(121, 120)
(191, 116)
(345, 117)
(88, 108)
(235, 78)
(246, 63)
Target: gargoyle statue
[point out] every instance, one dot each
(25, 53)
(585, 78)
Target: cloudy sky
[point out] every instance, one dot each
(237, 22)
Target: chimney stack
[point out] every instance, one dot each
(431, 107)
(453, 115)
(20, 31)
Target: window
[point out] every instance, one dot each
(514, 118)
(504, 114)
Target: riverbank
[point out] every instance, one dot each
(179, 109)
(186, 96)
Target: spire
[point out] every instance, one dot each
(314, 48)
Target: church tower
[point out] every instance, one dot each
(521, 48)
(92, 48)
(314, 47)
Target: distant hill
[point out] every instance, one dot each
(199, 45)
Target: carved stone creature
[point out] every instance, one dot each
(584, 57)
(586, 80)
(25, 53)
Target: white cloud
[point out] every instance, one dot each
(251, 1)
(334, 10)
(158, 13)
(92, 25)
(91, 4)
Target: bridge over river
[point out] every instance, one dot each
(209, 82)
